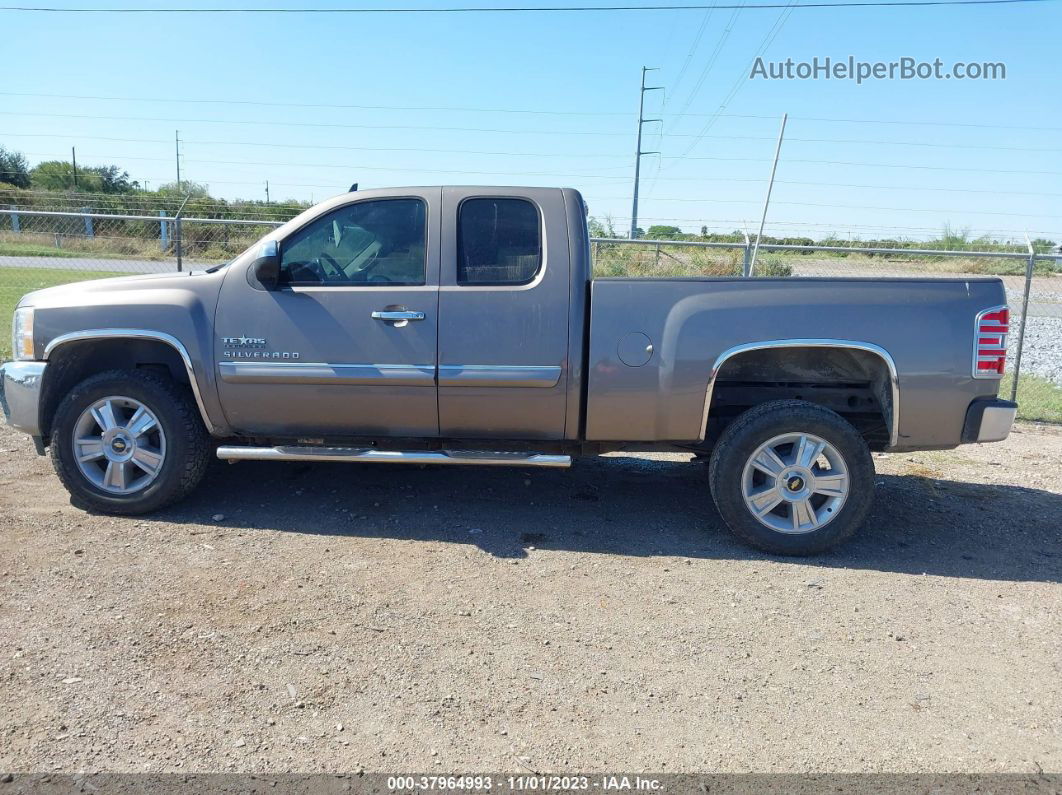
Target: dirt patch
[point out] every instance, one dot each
(340, 617)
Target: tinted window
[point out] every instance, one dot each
(371, 242)
(498, 241)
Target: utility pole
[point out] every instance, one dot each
(73, 155)
(767, 200)
(638, 149)
(267, 191)
(177, 146)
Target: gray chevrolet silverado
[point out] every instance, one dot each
(462, 325)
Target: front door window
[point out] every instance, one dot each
(372, 243)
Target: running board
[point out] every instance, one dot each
(359, 455)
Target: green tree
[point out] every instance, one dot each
(197, 190)
(114, 180)
(605, 228)
(14, 170)
(660, 232)
(59, 175)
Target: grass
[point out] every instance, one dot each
(1039, 400)
(8, 249)
(204, 244)
(16, 282)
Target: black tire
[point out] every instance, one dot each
(188, 444)
(760, 424)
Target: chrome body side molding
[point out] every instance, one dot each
(869, 347)
(372, 456)
(233, 372)
(143, 334)
(501, 375)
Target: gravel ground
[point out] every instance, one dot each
(338, 617)
(1042, 350)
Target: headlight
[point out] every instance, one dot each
(22, 333)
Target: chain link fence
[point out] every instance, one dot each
(40, 248)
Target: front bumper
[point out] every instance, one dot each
(988, 420)
(20, 393)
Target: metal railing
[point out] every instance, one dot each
(39, 248)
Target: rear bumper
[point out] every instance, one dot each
(988, 420)
(20, 392)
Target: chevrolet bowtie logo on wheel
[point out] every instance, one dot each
(243, 342)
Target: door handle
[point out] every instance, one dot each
(399, 317)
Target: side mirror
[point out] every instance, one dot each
(266, 268)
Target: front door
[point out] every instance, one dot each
(346, 345)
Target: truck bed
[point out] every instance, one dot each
(923, 329)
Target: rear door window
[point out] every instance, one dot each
(499, 241)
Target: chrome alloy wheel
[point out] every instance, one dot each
(119, 445)
(795, 483)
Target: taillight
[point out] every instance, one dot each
(990, 346)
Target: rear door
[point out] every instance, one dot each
(503, 313)
(347, 344)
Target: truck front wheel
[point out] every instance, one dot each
(128, 442)
(792, 478)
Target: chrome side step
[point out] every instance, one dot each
(360, 455)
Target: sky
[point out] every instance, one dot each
(315, 102)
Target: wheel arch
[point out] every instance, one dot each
(154, 348)
(891, 407)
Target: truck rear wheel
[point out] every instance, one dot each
(792, 478)
(128, 442)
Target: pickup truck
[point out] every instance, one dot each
(462, 325)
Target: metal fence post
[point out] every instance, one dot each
(15, 227)
(177, 239)
(746, 265)
(1029, 265)
(177, 229)
(164, 242)
(657, 264)
(88, 221)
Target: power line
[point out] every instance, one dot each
(711, 61)
(312, 146)
(752, 180)
(920, 123)
(698, 136)
(877, 207)
(259, 123)
(728, 159)
(858, 163)
(765, 44)
(693, 48)
(508, 9)
(330, 106)
(184, 158)
(907, 188)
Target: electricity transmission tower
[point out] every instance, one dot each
(638, 149)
